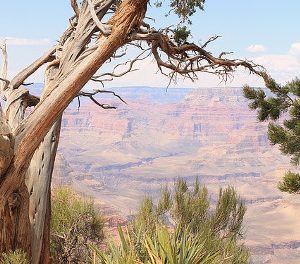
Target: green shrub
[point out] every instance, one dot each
(290, 183)
(74, 224)
(117, 254)
(14, 257)
(183, 228)
(163, 247)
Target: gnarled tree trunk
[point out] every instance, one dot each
(28, 145)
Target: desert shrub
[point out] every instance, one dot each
(116, 254)
(75, 224)
(14, 257)
(183, 227)
(162, 247)
(290, 183)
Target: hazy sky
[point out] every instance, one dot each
(262, 30)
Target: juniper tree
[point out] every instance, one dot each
(100, 31)
(280, 105)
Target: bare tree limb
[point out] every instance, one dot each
(188, 59)
(113, 74)
(211, 39)
(27, 84)
(105, 29)
(3, 74)
(75, 7)
(23, 75)
(95, 92)
(104, 106)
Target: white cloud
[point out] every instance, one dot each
(256, 48)
(295, 49)
(24, 41)
(278, 62)
(282, 67)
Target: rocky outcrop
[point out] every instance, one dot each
(119, 156)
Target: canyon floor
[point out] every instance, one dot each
(120, 156)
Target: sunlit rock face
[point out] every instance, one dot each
(119, 156)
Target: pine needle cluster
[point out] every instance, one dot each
(282, 103)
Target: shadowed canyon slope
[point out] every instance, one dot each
(119, 156)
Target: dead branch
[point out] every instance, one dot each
(105, 29)
(27, 84)
(211, 39)
(114, 74)
(188, 59)
(23, 75)
(95, 92)
(3, 73)
(75, 7)
(104, 106)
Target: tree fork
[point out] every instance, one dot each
(16, 229)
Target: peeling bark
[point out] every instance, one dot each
(38, 182)
(25, 186)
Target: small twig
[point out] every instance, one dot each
(88, 94)
(27, 84)
(211, 39)
(104, 106)
(113, 74)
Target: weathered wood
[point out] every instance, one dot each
(25, 187)
(14, 221)
(29, 133)
(18, 80)
(45, 255)
(6, 140)
(6, 144)
(38, 182)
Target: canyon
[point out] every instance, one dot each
(120, 156)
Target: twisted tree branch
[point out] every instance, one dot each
(23, 75)
(188, 59)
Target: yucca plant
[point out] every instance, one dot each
(183, 228)
(164, 247)
(117, 254)
(177, 248)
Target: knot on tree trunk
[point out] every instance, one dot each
(14, 202)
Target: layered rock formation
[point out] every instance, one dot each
(119, 156)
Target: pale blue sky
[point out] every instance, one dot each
(263, 30)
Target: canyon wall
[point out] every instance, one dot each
(119, 156)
